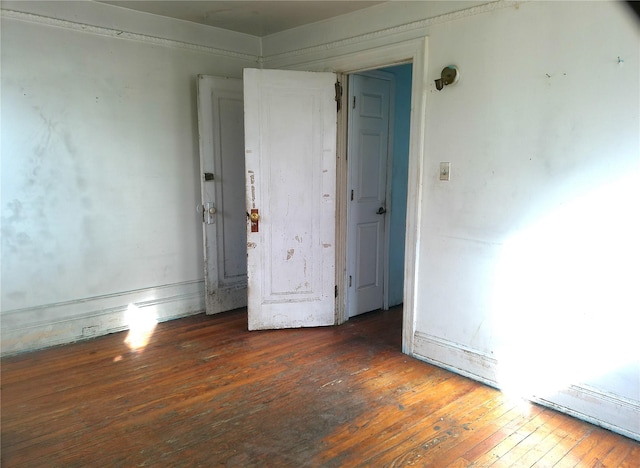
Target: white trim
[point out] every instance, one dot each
(605, 409)
(622, 414)
(63, 322)
(417, 132)
(387, 203)
(456, 357)
(366, 56)
(400, 33)
(120, 34)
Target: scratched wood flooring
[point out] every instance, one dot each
(205, 392)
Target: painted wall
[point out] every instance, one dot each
(100, 167)
(399, 167)
(527, 261)
(530, 254)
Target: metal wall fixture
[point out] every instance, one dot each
(449, 75)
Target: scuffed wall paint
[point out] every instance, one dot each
(100, 176)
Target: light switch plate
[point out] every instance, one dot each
(445, 170)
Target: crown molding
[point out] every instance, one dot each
(120, 34)
(401, 30)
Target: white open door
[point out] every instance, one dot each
(221, 128)
(290, 164)
(369, 119)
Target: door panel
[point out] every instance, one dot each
(371, 163)
(221, 128)
(290, 157)
(368, 270)
(368, 149)
(230, 190)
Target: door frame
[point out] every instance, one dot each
(413, 51)
(390, 77)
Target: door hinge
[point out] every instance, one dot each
(338, 96)
(354, 103)
(336, 290)
(352, 195)
(350, 278)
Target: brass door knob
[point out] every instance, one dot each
(254, 217)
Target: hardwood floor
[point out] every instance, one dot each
(206, 392)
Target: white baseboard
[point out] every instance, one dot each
(613, 412)
(456, 358)
(53, 324)
(598, 407)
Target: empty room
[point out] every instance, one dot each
(320, 233)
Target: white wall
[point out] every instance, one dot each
(530, 253)
(100, 168)
(528, 259)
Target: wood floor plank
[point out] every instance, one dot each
(535, 445)
(606, 448)
(459, 463)
(444, 450)
(513, 439)
(382, 425)
(616, 455)
(495, 432)
(439, 430)
(633, 457)
(568, 434)
(457, 438)
(206, 392)
(576, 454)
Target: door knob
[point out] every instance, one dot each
(381, 210)
(254, 217)
(212, 211)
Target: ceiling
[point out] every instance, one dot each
(258, 18)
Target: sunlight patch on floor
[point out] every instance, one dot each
(141, 322)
